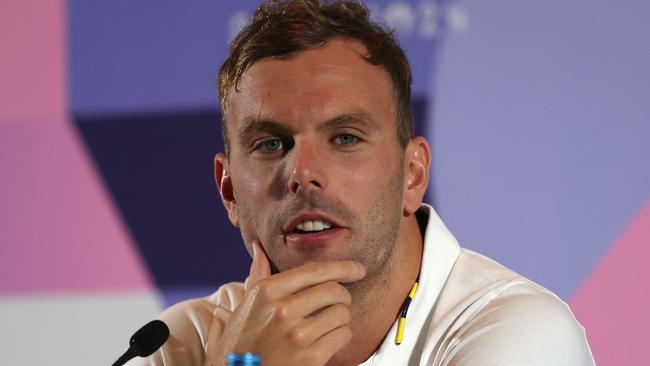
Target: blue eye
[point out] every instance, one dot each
(269, 145)
(345, 139)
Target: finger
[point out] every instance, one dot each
(287, 283)
(332, 317)
(260, 267)
(326, 346)
(312, 299)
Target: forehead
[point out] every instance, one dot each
(316, 84)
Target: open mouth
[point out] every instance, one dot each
(312, 226)
(312, 229)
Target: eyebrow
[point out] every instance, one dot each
(360, 118)
(253, 125)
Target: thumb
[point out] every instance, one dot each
(260, 267)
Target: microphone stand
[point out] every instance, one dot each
(133, 351)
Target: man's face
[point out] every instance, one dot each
(313, 143)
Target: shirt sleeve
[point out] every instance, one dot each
(521, 329)
(192, 325)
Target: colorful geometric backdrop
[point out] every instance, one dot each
(538, 114)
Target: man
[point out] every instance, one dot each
(325, 180)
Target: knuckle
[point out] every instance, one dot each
(261, 289)
(296, 336)
(280, 310)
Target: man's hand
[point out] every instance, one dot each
(297, 317)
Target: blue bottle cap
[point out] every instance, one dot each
(246, 359)
(235, 359)
(251, 359)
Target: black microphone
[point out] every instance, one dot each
(145, 341)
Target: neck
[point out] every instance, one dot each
(371, 323)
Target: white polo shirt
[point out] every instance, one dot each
(468, 311)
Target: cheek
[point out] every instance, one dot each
(365, 179)
(246, 192)
(252, 194)
(246, 184)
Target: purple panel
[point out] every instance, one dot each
(541, 141)
(133, 56)
(148, 55)
(159, 171)
(59, 229)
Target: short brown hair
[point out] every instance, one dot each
(284, 28)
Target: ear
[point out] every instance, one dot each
(417, 159)
(224, 183)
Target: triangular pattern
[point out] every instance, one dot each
(60, 230)
(613, 302)
(58, 227)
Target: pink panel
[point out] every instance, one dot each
(32, 64)
(613, 303)
(58, 227)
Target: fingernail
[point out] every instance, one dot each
(360, 268)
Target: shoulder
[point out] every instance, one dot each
(510, 320)
(521, 327)
(190, 322)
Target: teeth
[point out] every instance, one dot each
(313, 225)
(308, 226)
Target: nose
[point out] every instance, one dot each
(307, 169)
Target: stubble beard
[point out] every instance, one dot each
(380, 237)
(377, 234)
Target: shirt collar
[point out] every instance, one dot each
(438, 257)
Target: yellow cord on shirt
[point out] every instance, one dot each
(402, 316)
